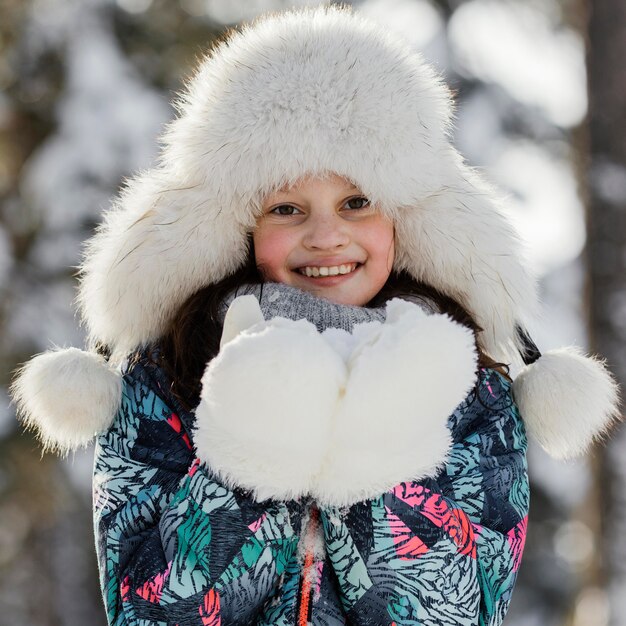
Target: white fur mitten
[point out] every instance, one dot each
(267, 399)
(405, 378)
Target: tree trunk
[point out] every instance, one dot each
(606, 251)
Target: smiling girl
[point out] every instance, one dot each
(322, 235)
(301, 323)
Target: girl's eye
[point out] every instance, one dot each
(359, 202)
(284, 209)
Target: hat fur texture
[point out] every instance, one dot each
(303, 92)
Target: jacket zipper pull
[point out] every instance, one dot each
(305, 603)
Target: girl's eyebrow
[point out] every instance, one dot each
(278, 194)
(351, 187)
(346, 189)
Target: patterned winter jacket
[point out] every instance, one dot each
(176, 547)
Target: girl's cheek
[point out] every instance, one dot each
(270, 251)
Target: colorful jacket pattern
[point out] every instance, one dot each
(176, 547)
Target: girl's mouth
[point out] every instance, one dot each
(313, 271)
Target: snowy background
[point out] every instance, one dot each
(85, 88)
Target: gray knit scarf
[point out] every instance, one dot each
(280, 300)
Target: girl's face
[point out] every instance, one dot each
(324, 236)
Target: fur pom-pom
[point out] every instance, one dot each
(67, 396)
(567, 400)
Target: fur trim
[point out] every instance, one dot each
(261, 111)
(67, 396)
(267, 399)
(391, 423)
(567, 401)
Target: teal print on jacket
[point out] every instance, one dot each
(175, 546)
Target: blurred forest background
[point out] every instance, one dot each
(85, 88)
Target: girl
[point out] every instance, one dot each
(300, 323)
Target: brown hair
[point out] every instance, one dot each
(193, 336)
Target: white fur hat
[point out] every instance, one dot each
(309, 92)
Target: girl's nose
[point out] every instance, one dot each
(326, 233)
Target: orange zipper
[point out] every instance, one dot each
(306, 596)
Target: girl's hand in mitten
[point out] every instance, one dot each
(263, 422)
(405, 378)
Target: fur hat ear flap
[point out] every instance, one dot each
(67, 396)
(461, 241)
(566, 399)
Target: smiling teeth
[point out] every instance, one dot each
(328, 271)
